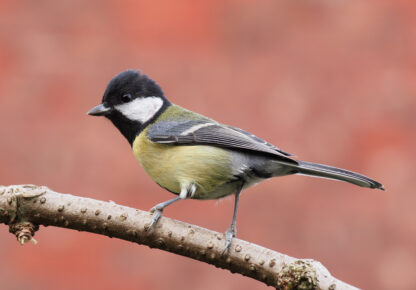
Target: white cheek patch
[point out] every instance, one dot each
(141, 109)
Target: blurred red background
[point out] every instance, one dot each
(330, 81)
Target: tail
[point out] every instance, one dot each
(325, 171)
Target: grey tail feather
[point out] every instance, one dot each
(325, 171)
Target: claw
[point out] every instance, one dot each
(157, 213)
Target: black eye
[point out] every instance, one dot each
(126, 98)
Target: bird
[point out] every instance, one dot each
(196, 157)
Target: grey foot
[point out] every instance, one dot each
(229, 235)
(157, 213)
(157, 210)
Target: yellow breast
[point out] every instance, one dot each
(173, 167)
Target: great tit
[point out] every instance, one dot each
(194, 156)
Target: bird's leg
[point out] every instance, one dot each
(187, 191)
(232, 229)
(157, 210)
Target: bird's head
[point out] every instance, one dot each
(131, 101)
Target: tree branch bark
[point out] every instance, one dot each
(25, 207)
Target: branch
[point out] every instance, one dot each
(24, 207)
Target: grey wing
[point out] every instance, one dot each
(204, 132)
(255, 138)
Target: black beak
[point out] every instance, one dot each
(99, 110)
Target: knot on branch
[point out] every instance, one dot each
(10, 197)
(24, 231)
(24, 190)
(299, 274)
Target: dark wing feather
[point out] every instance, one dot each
(201, 132)
(257, 139)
